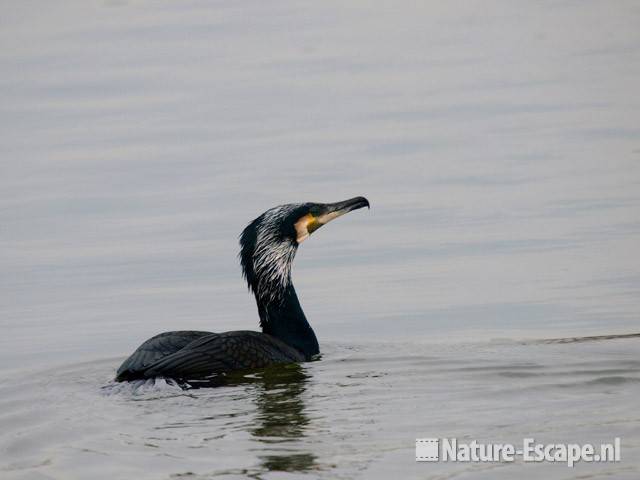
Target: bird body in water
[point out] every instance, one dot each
(268, 246)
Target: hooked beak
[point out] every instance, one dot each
(346, 206)
(328, 211)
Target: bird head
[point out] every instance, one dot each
(269, 243)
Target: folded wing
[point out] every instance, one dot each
(153, 350)
(217, 353)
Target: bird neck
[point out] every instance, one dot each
(285, 320)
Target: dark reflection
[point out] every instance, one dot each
(280, 418)
(293, 462)
(280, 405)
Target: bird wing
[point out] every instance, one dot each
(153, 350)
(223, 352)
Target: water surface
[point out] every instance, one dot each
(499, 147)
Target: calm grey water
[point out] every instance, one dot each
(498, 143)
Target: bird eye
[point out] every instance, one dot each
(315, 210)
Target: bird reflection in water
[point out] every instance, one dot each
(281, 419)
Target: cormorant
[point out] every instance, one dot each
(268, 246)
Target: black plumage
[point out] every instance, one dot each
(268, 246)
(155, 349)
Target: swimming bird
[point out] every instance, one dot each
(268, 246)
